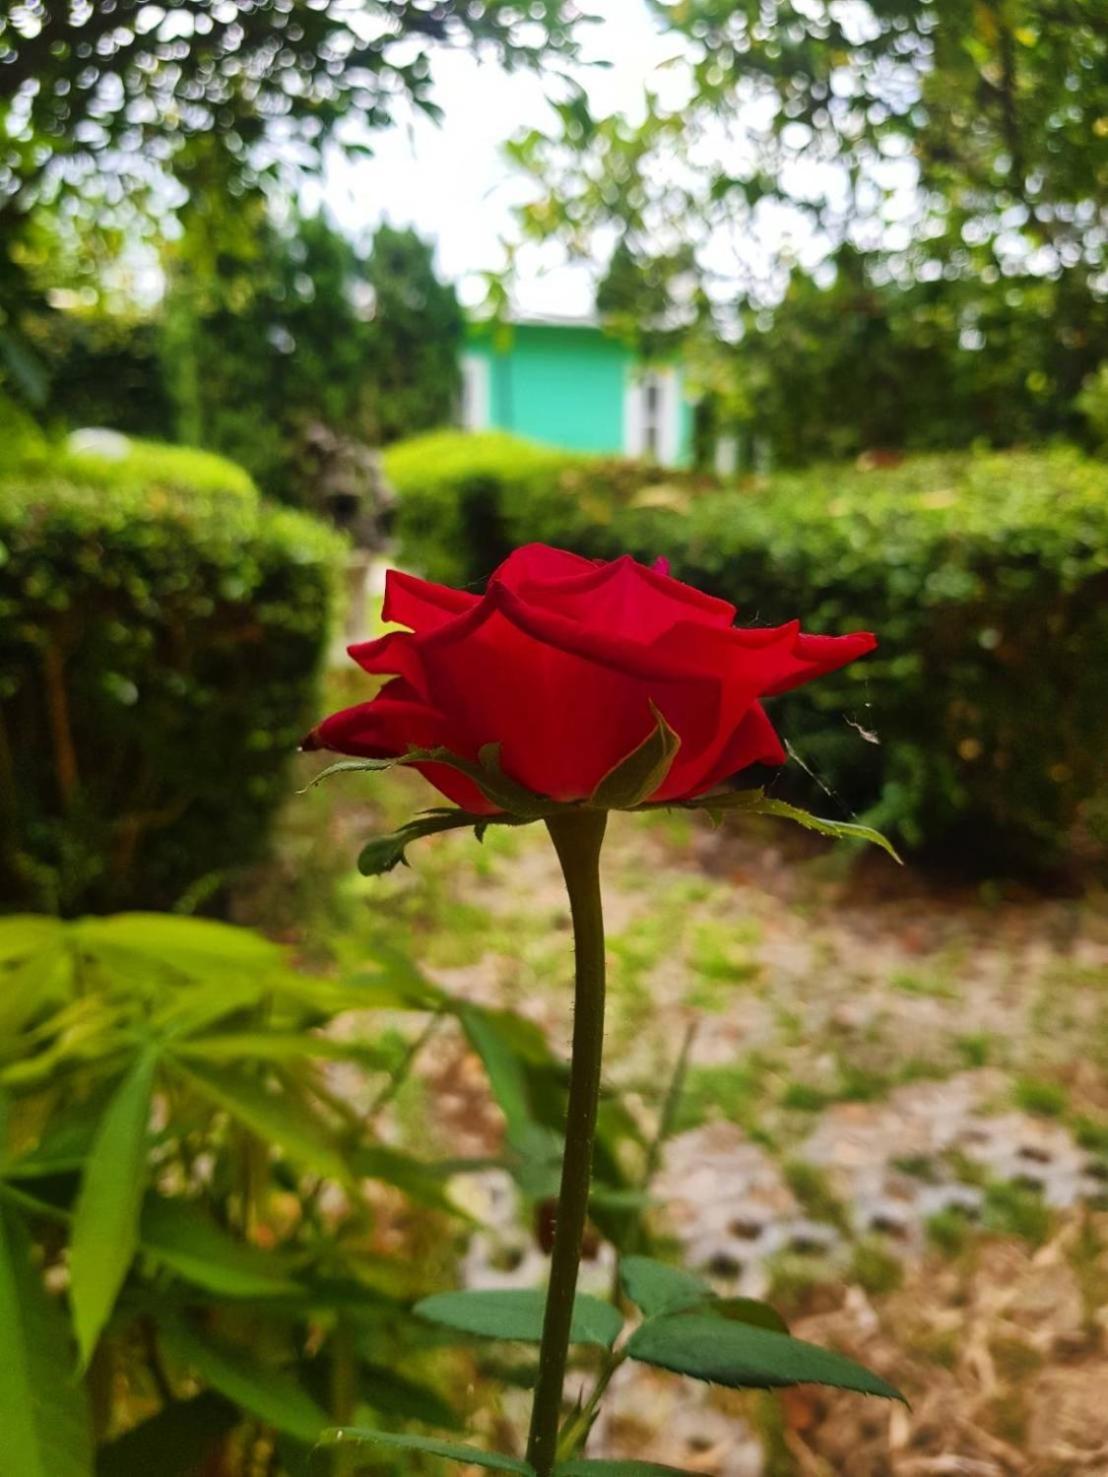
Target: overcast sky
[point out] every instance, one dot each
(451, 181)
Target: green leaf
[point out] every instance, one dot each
(44, 1418)
(505, 1068)
(25, 934)
(198, 948)
(657, 1288)
(746, 1357)
(349, 766)
(636, 777)
(182, 1238)
(419, 1181)
(269, 1394)
(749, 1310)
(449, 1450)
(383, 853)
(32, 985)
(276, 1046)
(517, 1313)
(174, 1443)
(66, 1143)
(404, 1399)
(583, 1467)
(106, 1216)
(839, 830)
(275, 1120)
(756, 802)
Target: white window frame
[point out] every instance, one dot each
(636, 436)
(476, 406)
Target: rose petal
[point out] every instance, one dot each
(754, 741)
(562, 718)
(420, 604)
(624, 598)
(395, 722)
(539, 562)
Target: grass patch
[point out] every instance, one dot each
(814, 1193)
(1017, 1210)
(975, 1049)
(927, 989)
(874, 1268)
(1039, 1096)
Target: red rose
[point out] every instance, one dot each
(559, 662)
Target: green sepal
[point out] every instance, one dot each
(745, 1357)
(450, 1451)
(517, 1314)
(349, 766)
(637, 776)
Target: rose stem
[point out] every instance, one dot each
(577, 837)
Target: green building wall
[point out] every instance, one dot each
(537, 371)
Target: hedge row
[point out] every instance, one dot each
(977, 729)
(161, 630)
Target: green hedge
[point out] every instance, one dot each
(468, 500)
(986, 578)
(161, 629)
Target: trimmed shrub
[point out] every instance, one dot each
(467, 500)
(161, 630)
(977, 728)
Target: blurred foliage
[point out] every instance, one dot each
(973, 733)
(116, 117)
(867, 363)
(268, 340)
(946, 160)
(160, 634)
(198, 1208)
(415, 338)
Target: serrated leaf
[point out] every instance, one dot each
(838, 830)
(173, 1443)
(275, 1120)
(517, 1314)
(268, 1393)
(636, 777)
(584, 1467)
(106, 1216)
(450, 1451)
(44, 1418)
(349, 766)
(182, 1238)
(384, 853)
(657, 1288)
(743, 1356)
(749, 1310)
(756, 802)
